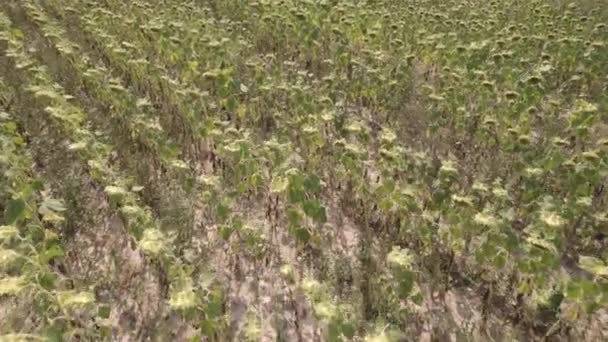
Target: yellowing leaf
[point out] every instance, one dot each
(77, 146)
(463, 200)
(388, 136)
(552, 219)
(541, 243)
(52, 217)
(115, 190)
(137, 188)
(485, 219)
(288, 273)
(143, 102)
(8, 232)
(378, 338)
(8, 257)
(325, 310)
(241, 111)
(12, 285)
(184, 299)
(179, 164)
(448, 168)
(20, 338)
(152, 242)
(70, 299)
(18, 33)
(354, 127)
(279, 184)
(399, 257)
(593, 265)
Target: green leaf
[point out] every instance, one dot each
(214, 306)
(314, 210)
(406, 283)
(301, 234)
(312, 184)
(53, 252)
(226, 232)
(104, 311)
(223, 211)
(294, 217)
(47, 280)
(348, 329)
(296, 193)
(208, 328)
(37, 185)
(15, 209)
(54, 333)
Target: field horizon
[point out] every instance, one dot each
(303, 170)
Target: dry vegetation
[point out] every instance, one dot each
(303, 170)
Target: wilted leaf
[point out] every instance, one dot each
(137, 188)
(78, 146)
(4, 116)
(485, 219)
(54, 205)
